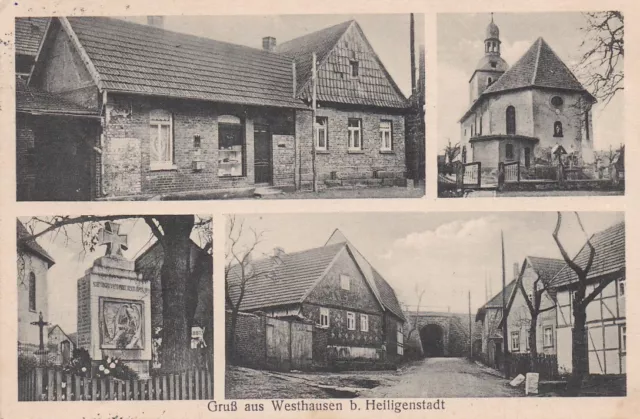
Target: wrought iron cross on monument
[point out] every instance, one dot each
(110, 237)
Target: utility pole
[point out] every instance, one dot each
(412, 42)
(505, 342)
(314, 83)
(470, 330)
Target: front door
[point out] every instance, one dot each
(262, 156)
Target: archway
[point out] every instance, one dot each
(432, 338)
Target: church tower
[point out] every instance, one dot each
(491, 66)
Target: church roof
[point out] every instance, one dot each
(487, 62)
(32, 246)
(492, 31)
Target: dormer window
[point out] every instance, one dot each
(355, 68)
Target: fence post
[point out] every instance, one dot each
(68, 388)
(183, 386)
(518, 171)
(197, 386)
(39, 382)
(85, 388)
(188, 385)
(479, 174)
(500, 175)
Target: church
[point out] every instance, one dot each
(521, 113)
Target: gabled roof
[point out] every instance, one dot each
(33, 101)
(496, 300)
(288, 280)
(546, 268)
(374, 88)
(141, 59)
(69, 337)
(29, 33)
(610, 257)
(32, 246)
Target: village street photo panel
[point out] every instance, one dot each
(220, 107)
(424, 305)
(530, 104)
(94, 322)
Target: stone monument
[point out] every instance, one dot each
(114, 306)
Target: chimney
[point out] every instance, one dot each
(278, 252)
(516, 271)
(156, 21)
(269, 43)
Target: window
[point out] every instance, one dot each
(621, 287)
(324, 317)
(515, 341)
(231, 148)
(526, 339)
(489, 81)
(557, 101)
(345, 282)
(351, 321)
(355, 134)
(494, 64)
(511, 120)
(623, 338)
(400, 339)
(355, 68)
(557, 129)
(548, 337)
(508, 149)
(321, 133)
(386, 140)
(160, 140)
(364, 322)
(32, 291)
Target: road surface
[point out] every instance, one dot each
(445, 377)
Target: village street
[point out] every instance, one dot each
(445, 377)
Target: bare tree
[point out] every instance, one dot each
(579, 350)
(178, 278)
(451, 151)
(602, 61)
(414, 325)
(240, 272)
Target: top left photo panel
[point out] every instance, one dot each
(220, 107)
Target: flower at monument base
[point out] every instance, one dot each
(106, 371)
(84, 369)
(112, 365)
(101, 367)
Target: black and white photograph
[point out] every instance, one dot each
(94, 323)
(425, 305)
(530, 104)
(220, 107)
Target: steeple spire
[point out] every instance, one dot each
(492, 39)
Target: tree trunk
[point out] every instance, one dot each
(533, 347)
(231, 339)
(176, 271)
(579, 350)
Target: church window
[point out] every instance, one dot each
(494, 64)
(355, 68)
(557, 101)
(161, 140)
(509, 151)
(489, 81)
(32, 291)
(586, 125)
(557, 129)
(511, 120)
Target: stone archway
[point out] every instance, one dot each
(432, 339)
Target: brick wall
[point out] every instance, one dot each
(351, 167)
(250, 339)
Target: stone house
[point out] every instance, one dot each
(60, 344)
(606, 314)
(519, 113)
(334, 288)
(489, 316)
(179, 113)
(28, 34)
(33, 264)
(535, 273)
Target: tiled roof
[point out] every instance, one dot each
(496, 300)
(288, 281)
(28, 34)
(546, 268)
(142, 59)
(32, 245)
(30, 100)
(609, 258)
(387, 295)
(335, 47)
(539, 67)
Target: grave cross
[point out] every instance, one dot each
(41, 324)
(114, 241)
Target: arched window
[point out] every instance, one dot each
(489, 81)
(32, 291)
(557, 129)
(511, 120)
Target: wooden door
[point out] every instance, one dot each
(262, 154)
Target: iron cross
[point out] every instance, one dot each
(114, 241)
(41, 324)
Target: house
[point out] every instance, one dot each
(178, 113)
(149, 264)
(606, 314)
(33, 265)
(28, 34)
(60, 344)
(518, 113)
(536, 273)
(336, 289)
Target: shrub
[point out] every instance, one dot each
(113, 367)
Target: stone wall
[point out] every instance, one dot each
(455, 328)
(251, 347)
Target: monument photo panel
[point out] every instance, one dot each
(94, 322)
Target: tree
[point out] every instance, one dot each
(451, 151)
(179, 279)
(414, 325)
(240, 271)
(579, 349)
(602, 61)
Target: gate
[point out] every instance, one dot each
(469, 175)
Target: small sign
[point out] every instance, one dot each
(531, 386)
(517, 381)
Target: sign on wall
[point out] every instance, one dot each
(121, 324)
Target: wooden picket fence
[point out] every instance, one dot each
(43, 384)
(545, 365)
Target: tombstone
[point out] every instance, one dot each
(114, 307)
(531, 384)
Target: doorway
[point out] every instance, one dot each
(432, 338)
(262, 154)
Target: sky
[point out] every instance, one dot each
(460, 40)
(447, 254)
(388, 34)
(72, 260)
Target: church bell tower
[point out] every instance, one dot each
(491, 66)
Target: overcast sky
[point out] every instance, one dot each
(461, 45)
(388, 34)
(448, 254)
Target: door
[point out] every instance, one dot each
(527, 157)
(262, 154)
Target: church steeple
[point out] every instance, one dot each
(491, 66)
(492, 39)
